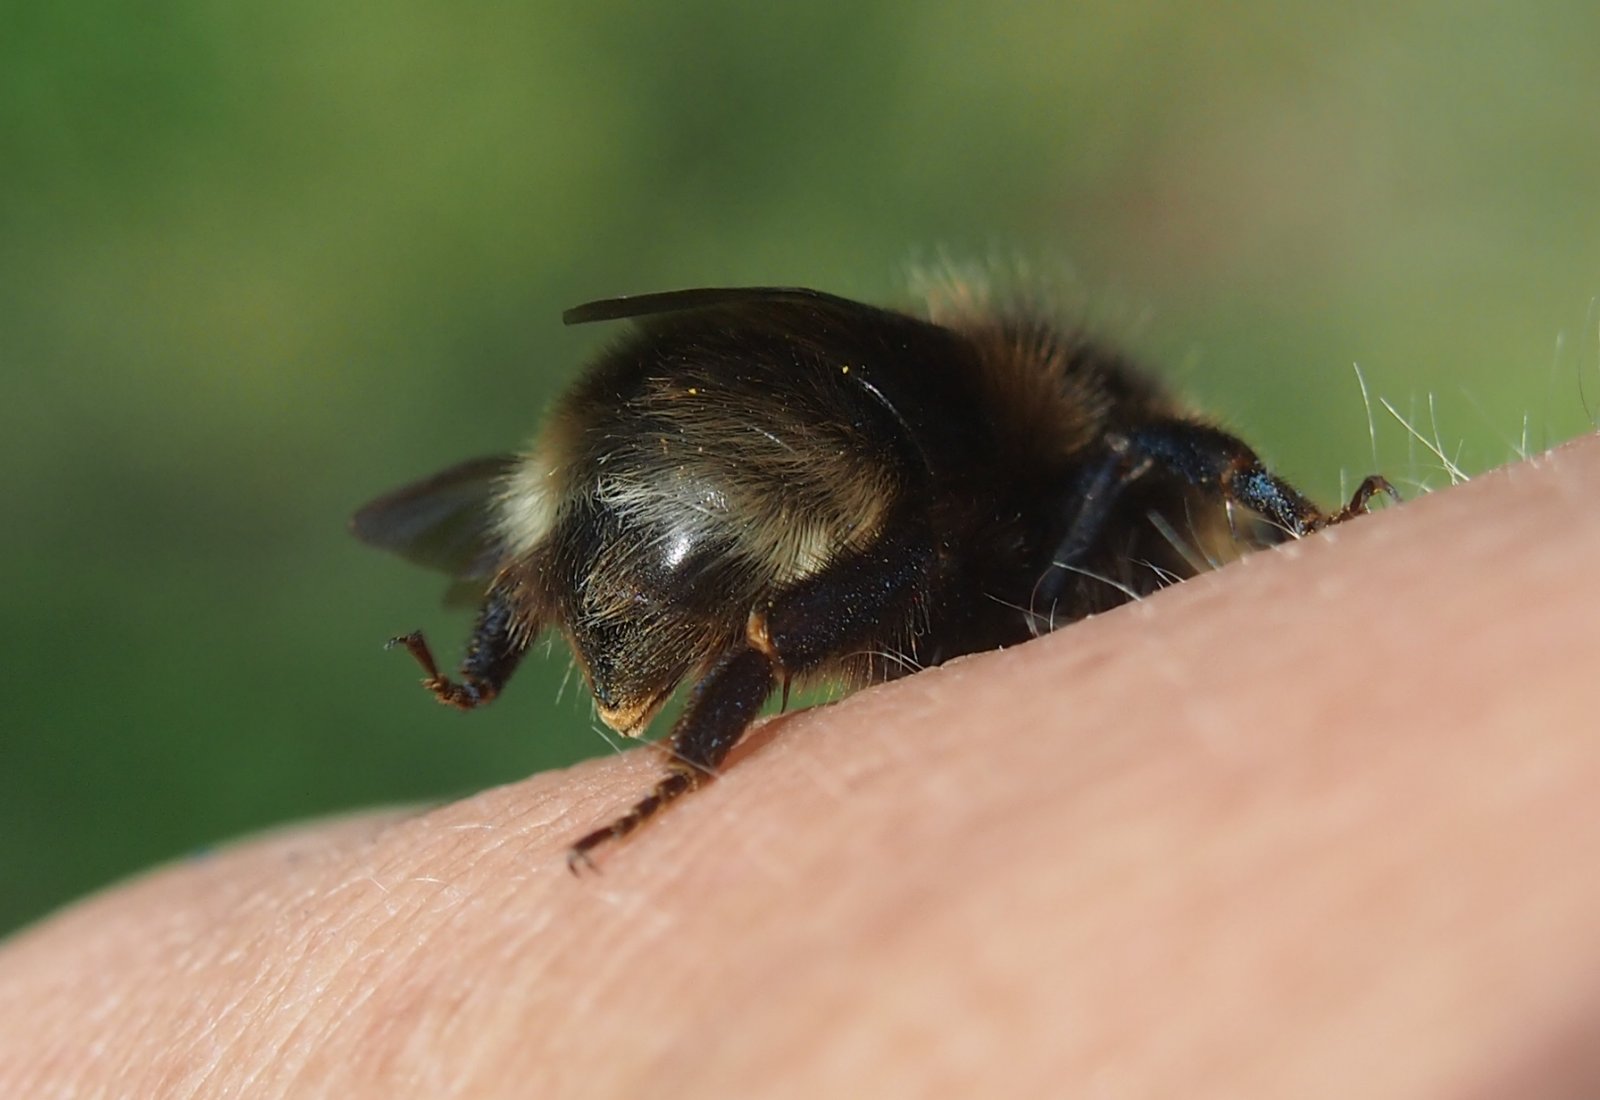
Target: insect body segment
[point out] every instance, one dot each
(772, 484)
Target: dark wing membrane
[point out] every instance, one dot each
(708, 297)
(440, 522)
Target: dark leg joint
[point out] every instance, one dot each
(1362, 498)
(495, 648)
(463, 695)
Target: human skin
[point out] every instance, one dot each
(1319, 824)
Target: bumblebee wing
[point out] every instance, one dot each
(706, 297)
(440, 522)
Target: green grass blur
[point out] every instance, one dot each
(260, 262)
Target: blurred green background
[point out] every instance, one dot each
(260, 262)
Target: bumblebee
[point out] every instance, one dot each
(764, 485)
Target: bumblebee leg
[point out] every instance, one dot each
(1370, 486)
(1206, 458)
(819, 618)
(1211, 459)
(493, 653)
(720, 709)
(1097, 492)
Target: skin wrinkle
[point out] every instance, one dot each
(300, 959)
(1187, 861)
(375, 949)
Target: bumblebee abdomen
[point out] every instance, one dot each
(772, 493)
(687, 506)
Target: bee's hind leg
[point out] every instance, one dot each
(720, 709)
(493, 652)
(825, 615)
